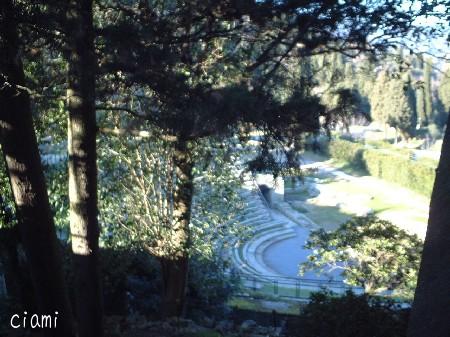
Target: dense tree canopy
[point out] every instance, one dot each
(161, 90)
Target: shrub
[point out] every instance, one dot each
(395, 166)
(370, 252)
(209, 286)
(350, 316)
(379, 144)
(349, 152)
(400, 169)
(131, 280)
(434, 131)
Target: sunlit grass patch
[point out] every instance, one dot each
(259, 304)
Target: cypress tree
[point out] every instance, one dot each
(444, 90)
(379, 104)
(428, 93)
(402, 114)
(420, 106)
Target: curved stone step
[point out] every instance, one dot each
(252, 253)
(255, 219)
(272, 223)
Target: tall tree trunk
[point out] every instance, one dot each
(430, 314)
(84, 225)
(20, 149)
(175, 268)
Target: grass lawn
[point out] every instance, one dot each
(261, 305)
(328, 217)
(271, 289)
(342, 198)
(349, 169)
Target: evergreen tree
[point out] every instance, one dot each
(349, 75)
(20, 150)
(420, 105)
(420, 61)
(195, 71)
(366, 76)
(444, 89)
(402, 114)
(196, 98)
(82, 152)
(443, 99)
(379, 104)
(428, 92)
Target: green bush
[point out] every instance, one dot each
(210, 286)
(131, 280)
(344, 150)
(350, 316)
(395, 166)
(400, 169)
(379, 144)
(371, 253)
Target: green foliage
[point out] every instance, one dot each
(400, 169)
(378, 144)
(443, 101)
(371, 253)
(139, 173)
(395, 166)
(393, 101)
(444, 90)
(350, 316)
(428, 93)
(7, 216)
(420, 106)
(379, 105)
(131, 281)
(216, 202)
(434, 130)
(347, 151)
(209, 286)
(56, 175)
(402, 106)
(341, 92)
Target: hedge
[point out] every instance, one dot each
(387, 165)
(344, 150)
(401, 170)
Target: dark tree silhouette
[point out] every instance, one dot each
(431, 307)
(20, 149)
